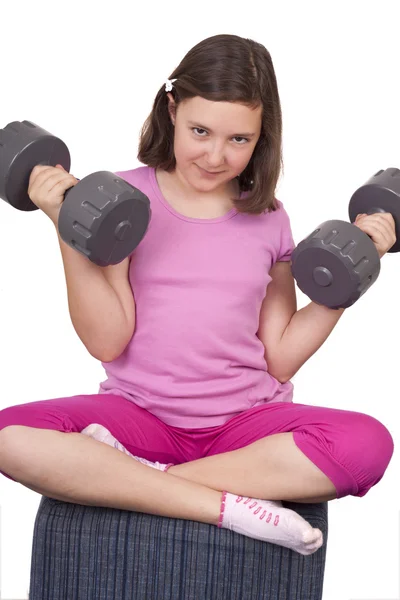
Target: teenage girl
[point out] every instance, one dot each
(198, 330)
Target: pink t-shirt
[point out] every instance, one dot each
(194, 359)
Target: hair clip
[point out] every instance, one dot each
(168, 84)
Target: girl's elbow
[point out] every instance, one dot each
(283, 378)
(103, 356)
(109, 354)
(280, 375)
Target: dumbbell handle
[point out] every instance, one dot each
(374, 210)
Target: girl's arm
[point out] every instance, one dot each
(291, 336)
(100, 302)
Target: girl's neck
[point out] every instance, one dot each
(190, 203)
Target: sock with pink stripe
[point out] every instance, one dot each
(269, 521)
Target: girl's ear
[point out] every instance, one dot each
(171, 108)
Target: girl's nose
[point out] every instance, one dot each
(215, 156)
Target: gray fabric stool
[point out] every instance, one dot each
(92, 553)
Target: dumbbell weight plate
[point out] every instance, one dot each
(104, 217)
(381, 193)
(23, 145)
(335, 264)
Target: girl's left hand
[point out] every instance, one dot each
(381, 229)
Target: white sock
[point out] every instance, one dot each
(101, 434)
(270, 522)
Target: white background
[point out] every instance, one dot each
(89, 75)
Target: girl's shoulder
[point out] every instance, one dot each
(142, 178)
(277, 216)
(135, 176)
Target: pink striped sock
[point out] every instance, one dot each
(270, 522)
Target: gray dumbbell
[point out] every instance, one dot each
(102, 216)
(337, 263)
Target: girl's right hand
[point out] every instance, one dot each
(47, 186)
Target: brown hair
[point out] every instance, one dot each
(224, 68)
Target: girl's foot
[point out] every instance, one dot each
(269, 521)
(101, 434)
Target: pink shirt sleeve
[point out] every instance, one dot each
(287, 244)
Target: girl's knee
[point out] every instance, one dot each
(32, 414)
(373, 448)
(8, 435)
(375, 440)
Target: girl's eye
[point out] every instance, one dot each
(241, 138)
(197, 129)
(199, 132)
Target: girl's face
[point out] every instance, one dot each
(213, 141)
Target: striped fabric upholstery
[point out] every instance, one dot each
(92, 553)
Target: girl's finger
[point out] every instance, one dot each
(387, 222)
(375, 232)
(386, 225)
(46, 184)
(38, 175)
(58, 178)
(64, 184)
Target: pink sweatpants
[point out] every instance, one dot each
(352, 449)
